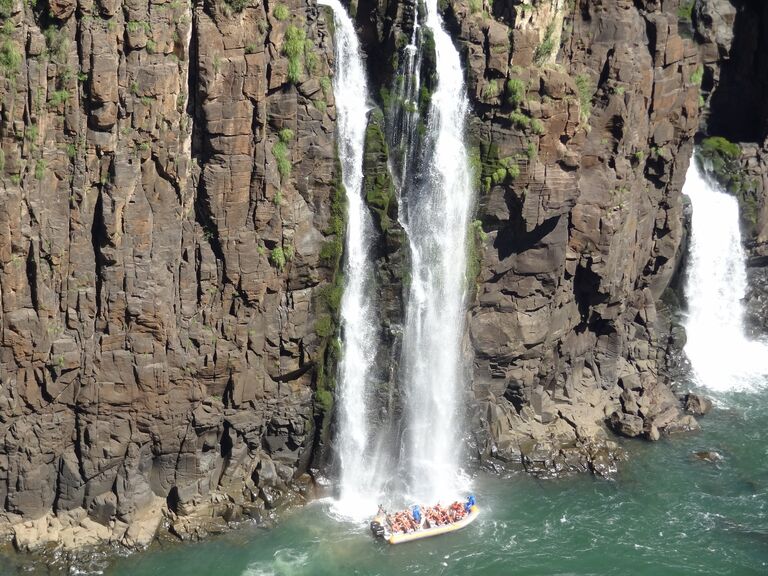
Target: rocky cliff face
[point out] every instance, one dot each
(172, 228)
(583, 150)
(169, 231)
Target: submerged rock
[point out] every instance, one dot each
(708, 456)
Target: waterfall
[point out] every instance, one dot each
(403, 111)
(436, 220)
(357, 482)
(723, 358)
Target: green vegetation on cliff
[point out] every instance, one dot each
(293, 48)
(281, 12)
(238, 5)
(685, 10)
(720, 149)
(327, 302)
(6, 8)
(494, 170)
(377, 183)
(586, 89)
(547, 46)
(476, 238)
(10, 56)
(282, 153)
(515, 92)
(720, 157)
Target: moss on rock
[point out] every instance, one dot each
(721, 158)
(327, 304)
(378, 188)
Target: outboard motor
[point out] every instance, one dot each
(377, 529)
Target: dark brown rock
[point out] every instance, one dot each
(697, 405)
(583, 242)
(626, 424)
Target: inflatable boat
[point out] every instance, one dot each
(381, 529)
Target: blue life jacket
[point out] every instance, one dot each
(416, 513)
(470, 503)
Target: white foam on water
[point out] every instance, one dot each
(285, 562)
(722, 356)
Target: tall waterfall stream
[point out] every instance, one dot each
(437, 197)
(358, 481)
(436, 220)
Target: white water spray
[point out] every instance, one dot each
(404, 110)
(437, 222)
(720, 353)
(357, 484)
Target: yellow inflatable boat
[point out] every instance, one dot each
(380, 528)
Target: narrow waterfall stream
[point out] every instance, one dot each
(357, 482)
(435, 186)
(722, 356)
(403, 113)
(436, 221)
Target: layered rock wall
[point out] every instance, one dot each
(168, 176)
(583, 148)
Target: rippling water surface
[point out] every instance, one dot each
(666, 513)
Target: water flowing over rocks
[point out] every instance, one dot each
(734, 37)
(171, 237)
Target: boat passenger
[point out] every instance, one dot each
(443, 513)
(416, 513)
(457, 510)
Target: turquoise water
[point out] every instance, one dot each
(665, 513)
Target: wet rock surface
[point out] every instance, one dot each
(736, 91)
(711, 456)
(756, 300)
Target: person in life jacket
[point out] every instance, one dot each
(416, 513)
